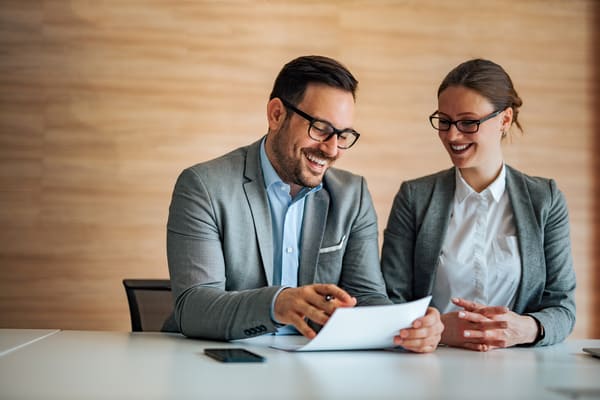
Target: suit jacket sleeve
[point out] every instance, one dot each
(203, 308)
(556, 308)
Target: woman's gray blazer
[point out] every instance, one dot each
(418, 223)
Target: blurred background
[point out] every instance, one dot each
(103, 103)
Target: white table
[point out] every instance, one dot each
(13, 339)
(121, 365)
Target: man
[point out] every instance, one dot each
(269, 235)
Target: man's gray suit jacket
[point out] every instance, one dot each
(418, 223)
(220, 250)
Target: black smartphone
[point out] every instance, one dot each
(594, 351)
(233, 355)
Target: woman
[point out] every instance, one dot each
(489, 243)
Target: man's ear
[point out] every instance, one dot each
(276, 114)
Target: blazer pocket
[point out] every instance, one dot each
(333, 248)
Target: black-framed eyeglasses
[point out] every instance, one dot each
(464, 125)
(322, 131)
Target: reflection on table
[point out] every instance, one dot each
(13, 339)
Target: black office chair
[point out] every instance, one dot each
(150, 305)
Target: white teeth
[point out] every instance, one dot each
(316, 160)
(459, 147)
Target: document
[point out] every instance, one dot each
(362, 328)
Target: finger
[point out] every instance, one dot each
(419, 333)
(417, 345)
(476, 346)
(316, 303)
(489, 337)
(420, 348)
(326, 303)
(494, 343)
(482, 321)
(466, 304)
(330, 303)
(472, 316)
(491, 325)
(430, 333)
(474, 334)
(334, 292)
(493, 311)
(317, 315)
(412, 333)
(302, 327)
(431, 317)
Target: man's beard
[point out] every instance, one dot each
(291, 169)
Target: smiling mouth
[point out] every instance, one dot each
(460, 148)
(317, 161)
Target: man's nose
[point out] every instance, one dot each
(330, 146)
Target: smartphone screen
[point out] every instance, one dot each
(233, 354)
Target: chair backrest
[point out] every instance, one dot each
(150, 303)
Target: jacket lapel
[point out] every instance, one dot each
(527, 235)
(315, 216)
(432, 231)
(258, 202)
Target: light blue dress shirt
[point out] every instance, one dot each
(287, 214)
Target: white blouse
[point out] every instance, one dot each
(480, 259)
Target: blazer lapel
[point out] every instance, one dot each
(432, 231)
(313, 228)
(528, 235)
(256, 194)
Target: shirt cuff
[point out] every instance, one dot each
(277, 323)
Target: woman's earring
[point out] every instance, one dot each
(503, 134)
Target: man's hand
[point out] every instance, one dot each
(424, 335)
(316, 302)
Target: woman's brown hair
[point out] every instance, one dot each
(489, 80)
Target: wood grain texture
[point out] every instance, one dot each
(102, 104)
(594, 275)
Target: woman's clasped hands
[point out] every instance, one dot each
(482, 328)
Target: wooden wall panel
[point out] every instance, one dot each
(102, 104)
(594, 285)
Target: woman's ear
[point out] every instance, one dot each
(507, 118)
(276, 113)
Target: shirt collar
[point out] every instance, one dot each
(268, 171)
(271, 177)
(496, 188)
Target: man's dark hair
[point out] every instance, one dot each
(297, 74)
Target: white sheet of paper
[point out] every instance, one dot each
(361, 328)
